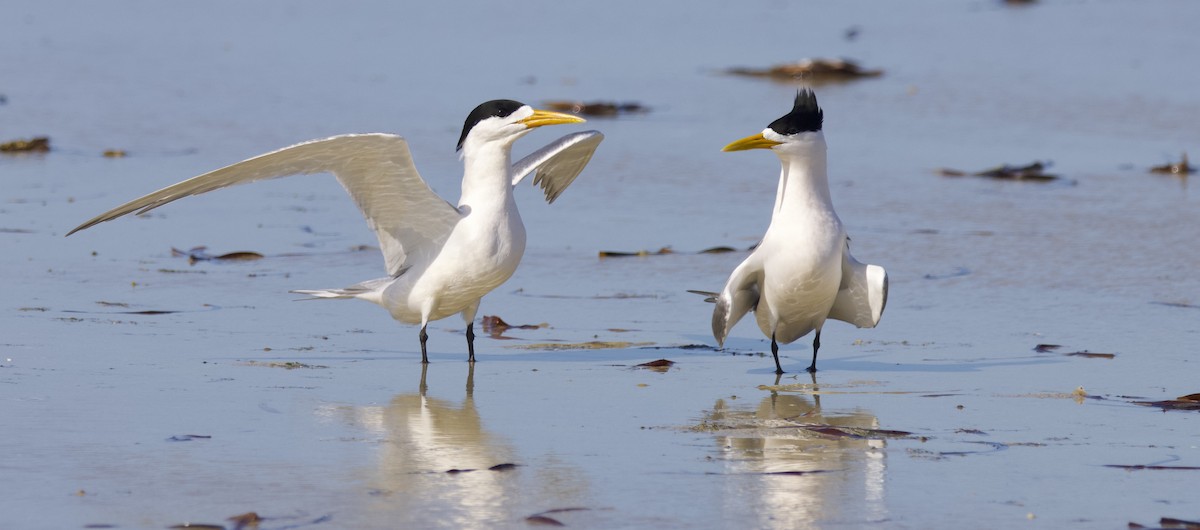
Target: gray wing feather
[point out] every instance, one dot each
(863, 294)
(558, 163)
(740, 295)
(375, 169)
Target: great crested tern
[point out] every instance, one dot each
(802, 272)
(440, 259)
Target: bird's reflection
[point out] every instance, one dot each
(434, 457)
(437, 465)
(791, 465)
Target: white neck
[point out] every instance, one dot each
(803, 181)
(487, 178)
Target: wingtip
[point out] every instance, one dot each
(88, 224)
(83, 226)
(718, 330)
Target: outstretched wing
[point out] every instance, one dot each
(558, 163)
(863, 294)
(376, 169)
(739, 296)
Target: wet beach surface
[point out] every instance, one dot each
(140, 389)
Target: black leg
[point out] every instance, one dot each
(424, 337)
(471, 342)
(775, 353)
(812, 368)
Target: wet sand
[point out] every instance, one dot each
(139, 390)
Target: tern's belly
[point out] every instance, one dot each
(467, 269)
(796, 297)
(444, 292)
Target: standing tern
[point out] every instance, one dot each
(802, 272)
(441, 259)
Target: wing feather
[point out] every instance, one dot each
(375, 169)
(863, 294)
(558, 163)
(740, 295)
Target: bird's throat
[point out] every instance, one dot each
(487, 177)
(803, 183)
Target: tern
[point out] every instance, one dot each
(802, 272)
(441, 259)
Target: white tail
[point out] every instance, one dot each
(370, 290)
(327, 293)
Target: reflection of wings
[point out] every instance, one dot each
(376, 169)
(863, 294)
(558, 163)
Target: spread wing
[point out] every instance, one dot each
(863, 294)
(558, 163)
(739, 296)
(376, 169)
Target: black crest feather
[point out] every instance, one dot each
(488, 109)
(806, 115)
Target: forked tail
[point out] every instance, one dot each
(370, 290)
(327, 293)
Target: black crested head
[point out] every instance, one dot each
(494, 108)
(805, 116)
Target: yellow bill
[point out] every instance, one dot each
(546, 117)
(751, 142)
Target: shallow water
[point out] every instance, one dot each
(115, 417)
